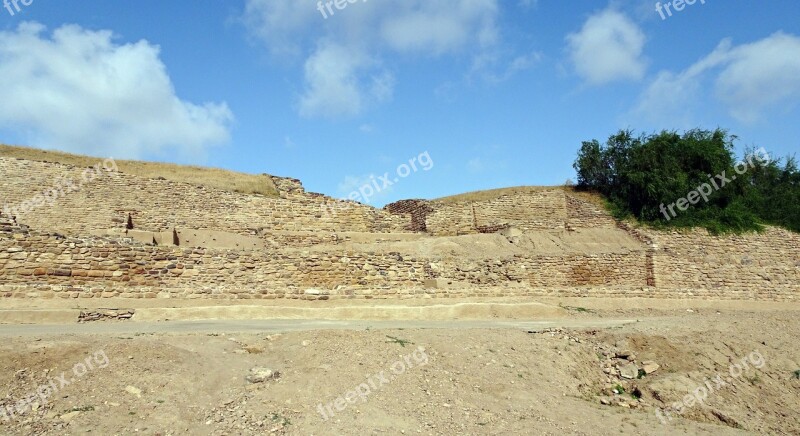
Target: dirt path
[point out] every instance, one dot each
(282, 326)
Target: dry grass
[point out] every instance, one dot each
(495, 193)
(591, 197)
(210, 177)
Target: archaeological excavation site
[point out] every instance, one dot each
(130, 237)
(168, 305)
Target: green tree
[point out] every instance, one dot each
(642, 175)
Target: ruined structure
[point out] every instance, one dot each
(130, 237)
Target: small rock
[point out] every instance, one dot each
(624, 354)
(629, 371)
(134, 391)
(261, 374)
(306, 343)
(650, 367)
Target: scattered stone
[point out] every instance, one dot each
(623, 354)
(650, 367)
(261, 374)
(629, 371)
(106, 315)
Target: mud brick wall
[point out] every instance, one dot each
(41, 265)
(42, 254)
(47, 266)
(540, 210)
(745, 264)
(584, 214)
(451, 220)
(417, 210)
(539, 271)
(159, 205)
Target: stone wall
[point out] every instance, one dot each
(687, 265)
(51, 265)
(418, 210)
(737, 265)
(159, 205)
(545, 209)
(585, 214)
(46, 253)
(622, 270)
(539, 210)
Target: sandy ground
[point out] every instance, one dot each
(502, 378)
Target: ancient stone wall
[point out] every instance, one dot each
(539, 210)
(47, 253)
(51, 265)
(744, 265)
(418, 210)
(40, 265)
(623, 270)
(584, 214)
(546, 209)
(160, 205)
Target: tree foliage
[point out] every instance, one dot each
(643, 175)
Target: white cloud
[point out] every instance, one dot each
(80, 92)
(343, 71)
(332, 82)
(761, 75)
(280, 23)
(435, 27)
(748, 79)
(608, 48)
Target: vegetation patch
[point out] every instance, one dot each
(691, 180)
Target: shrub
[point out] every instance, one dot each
(640, 176)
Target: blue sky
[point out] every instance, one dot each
(498, 93)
